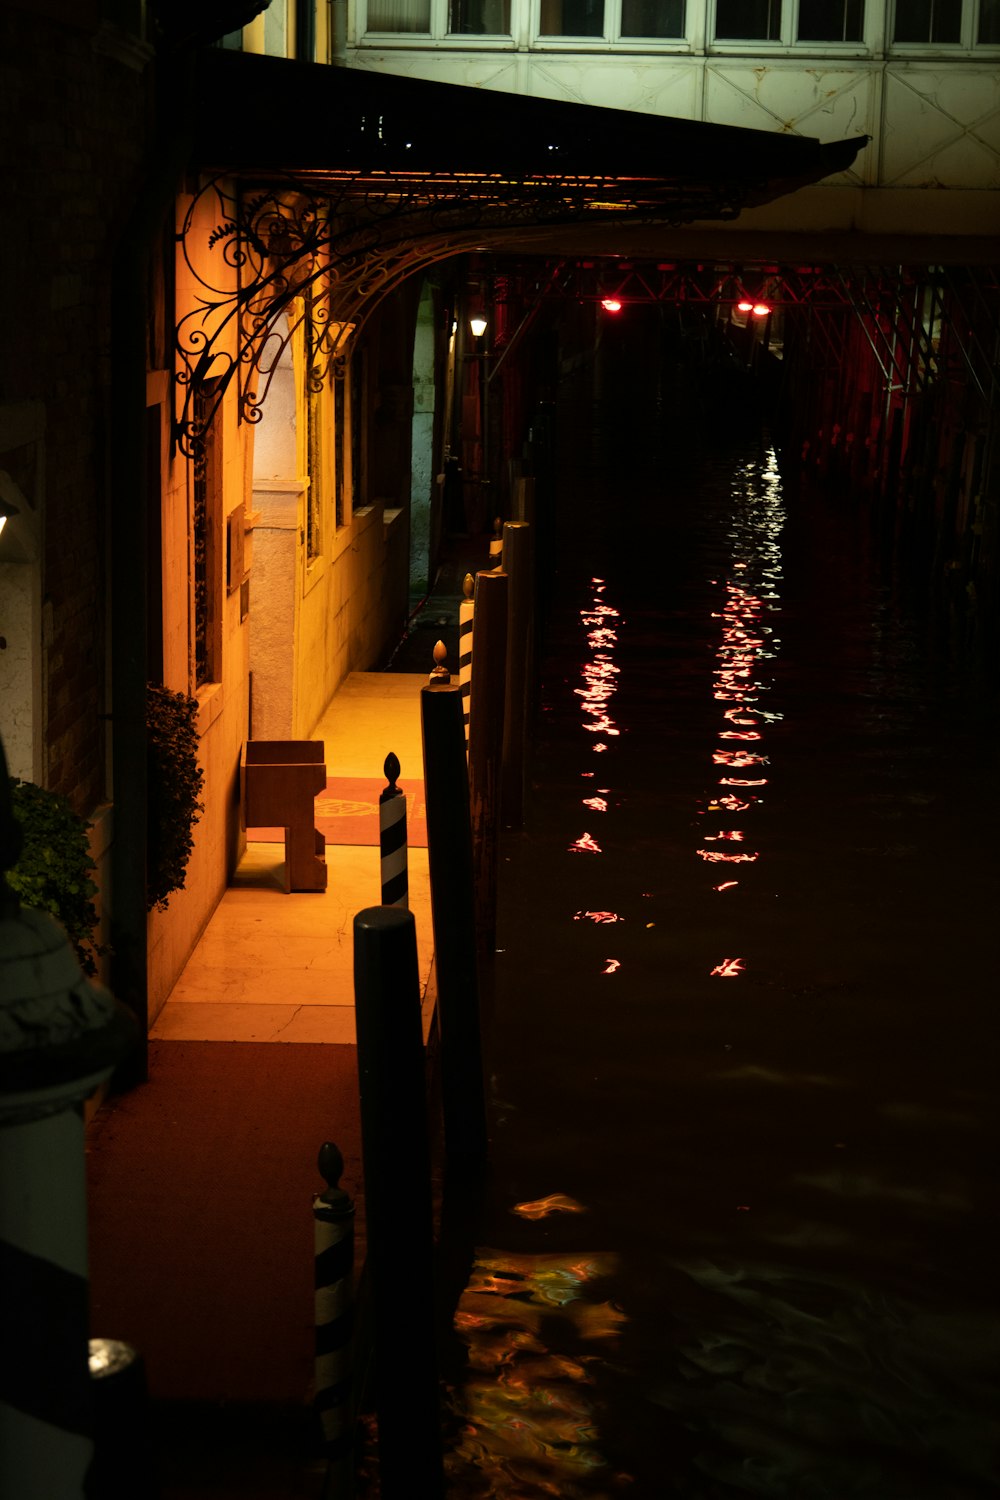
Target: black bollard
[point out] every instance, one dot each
(398, 1214)
(453, 911)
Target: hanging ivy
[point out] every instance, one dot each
(53, 869)
(174, 785)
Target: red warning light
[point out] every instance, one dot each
(744, 306)
(760, 309)
(611, 304)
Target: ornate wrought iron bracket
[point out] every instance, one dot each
(319, 255)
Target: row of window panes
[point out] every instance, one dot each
(920, 22)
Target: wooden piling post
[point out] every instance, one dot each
(524, 499)
(398, 1213)
(517, 562)
(489, 690)
(453, 911)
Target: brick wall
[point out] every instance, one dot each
(73, 117)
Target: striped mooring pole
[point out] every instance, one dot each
(466, 616)
(333, 1215)
(392, 838)
(60, 1038)
(496, 544)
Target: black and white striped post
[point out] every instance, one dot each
(392, 838)
(496, 544)
(60, 1037)
(333, 1215)
(466, 616)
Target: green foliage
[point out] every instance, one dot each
(53, 869)
(174, 787)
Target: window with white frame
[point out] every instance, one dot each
(400, 17)
(659, 20)
(789, 21)
(946, 23)
(584, 20)
(479, 18)
(439, 18)
(729, 24)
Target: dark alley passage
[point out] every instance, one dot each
(739, 1233)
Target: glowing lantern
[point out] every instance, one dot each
(611, 304)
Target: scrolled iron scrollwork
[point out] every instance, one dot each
(259, 265)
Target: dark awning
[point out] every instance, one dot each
(343, 182)
(386, 134)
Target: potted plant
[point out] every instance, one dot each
(53, 869)
(174, 784)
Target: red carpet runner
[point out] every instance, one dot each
(201, 1184)
(348, 813)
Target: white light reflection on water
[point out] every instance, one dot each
(740, 676)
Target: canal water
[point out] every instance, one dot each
(739, 1235)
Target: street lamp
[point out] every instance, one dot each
(477, 324)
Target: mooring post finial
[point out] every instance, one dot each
(391, 769)
(440, 676)
(330, 1162)
(468, 585)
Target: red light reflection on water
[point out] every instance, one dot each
(597, 916)
(715, 857)
(613, 964)
(734, 835)
(741, 781)
(600, 671)
(555, 1203)
(585, 844)
(728, 969)
(738, 758)
(599, 674)
(726, 885)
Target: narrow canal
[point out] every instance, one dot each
(739, 1236)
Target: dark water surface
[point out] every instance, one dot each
(740, 1234)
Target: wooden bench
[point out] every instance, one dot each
(280, 780)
